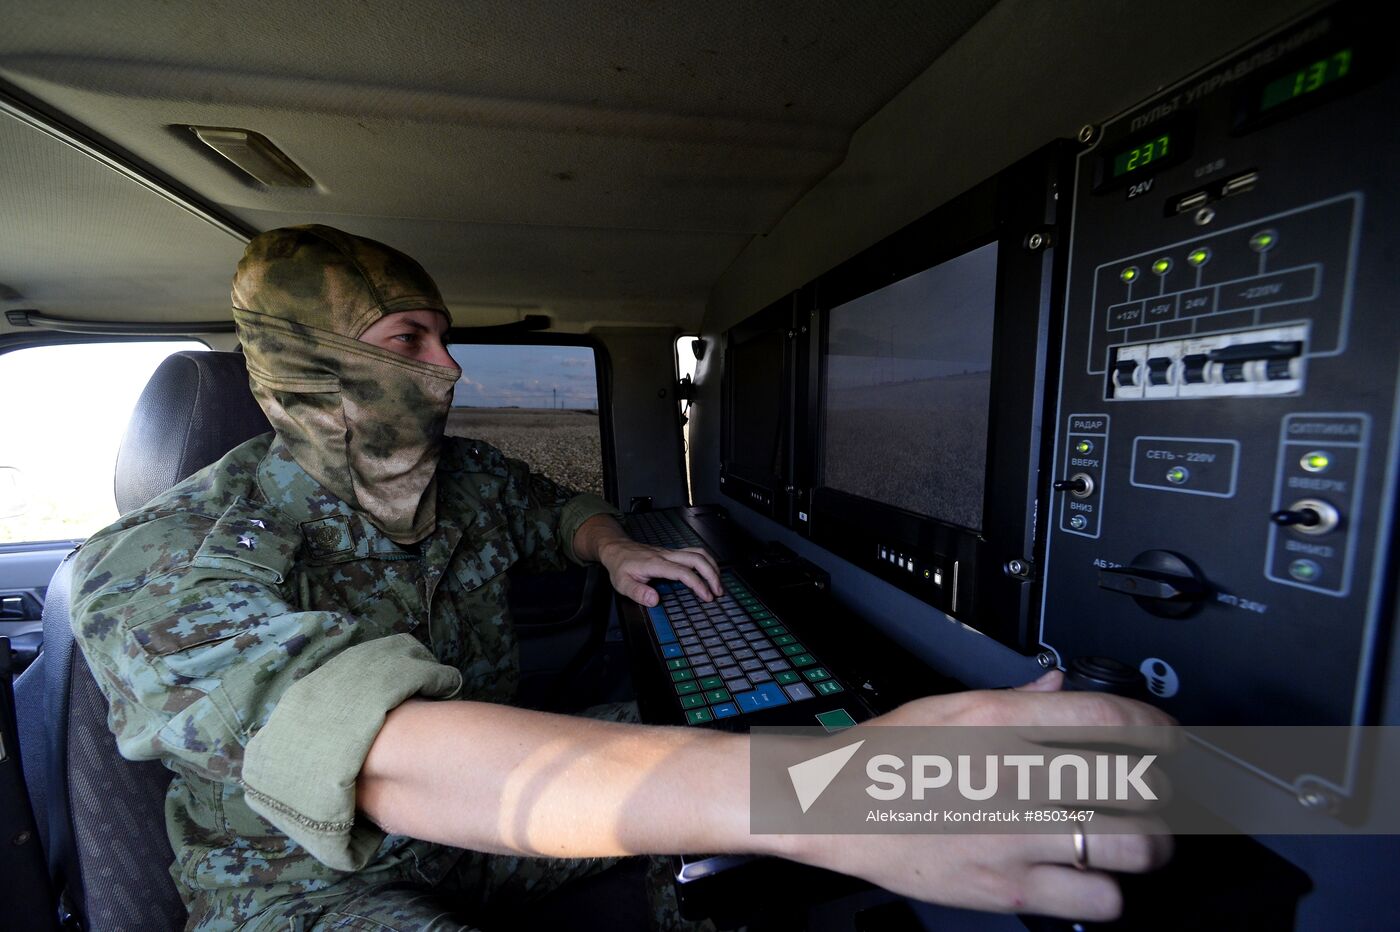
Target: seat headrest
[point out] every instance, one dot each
(196, 407)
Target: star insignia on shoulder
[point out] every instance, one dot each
(257, 522)
(246, 540)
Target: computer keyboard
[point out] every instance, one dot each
(733, 657)
(664, 528)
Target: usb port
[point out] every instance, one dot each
(1239, 184)
(1192, 201)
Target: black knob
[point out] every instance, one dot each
(1160, 581)
(1104, 675)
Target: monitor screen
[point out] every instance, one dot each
(756, 437)
(908, 382)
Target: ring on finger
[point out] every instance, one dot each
(1081, 847)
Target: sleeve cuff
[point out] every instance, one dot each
(299, 770)
(576, 511)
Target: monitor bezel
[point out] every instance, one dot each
(988, 575)
(769, 494)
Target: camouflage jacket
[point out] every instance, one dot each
(251, 631)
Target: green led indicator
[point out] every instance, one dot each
(1198, 257)
(1317, 461)
(1177, 475)
(1129, 274)
(1162, 266)
(1304, 570)
(1263, 241)
(1084, 446)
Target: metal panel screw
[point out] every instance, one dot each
(1035, 241)
(1016, 567)
(23, 836)
(1086, 133)
(1045, 659)
(1316, 799)
(1204, 216)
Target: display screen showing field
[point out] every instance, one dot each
(1312, 77)
(908, 383)
(1142, 155)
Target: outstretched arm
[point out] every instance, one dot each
(494, 778)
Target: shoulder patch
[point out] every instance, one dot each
(251, 539)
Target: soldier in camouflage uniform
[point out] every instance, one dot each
(355, 542)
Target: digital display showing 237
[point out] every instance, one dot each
(1142, 155)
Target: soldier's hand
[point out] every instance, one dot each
(631, 565)
(1037, 873)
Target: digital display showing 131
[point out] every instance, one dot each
(1142, 155)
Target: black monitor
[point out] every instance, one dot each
(756, 448)
(924, 406)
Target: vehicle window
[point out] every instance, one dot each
(65, 409)
(535, 403)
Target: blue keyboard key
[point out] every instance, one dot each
(767, 696)
(725, 710)
(662, 625)
(672, 650)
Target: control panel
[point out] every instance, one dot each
(1222, 504)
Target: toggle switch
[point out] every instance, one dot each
(1080, 485)
(1310, 516)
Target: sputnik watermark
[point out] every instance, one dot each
(959, 816)
(959, 779)
(1115, 777)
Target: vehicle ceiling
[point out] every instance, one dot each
(599, 162)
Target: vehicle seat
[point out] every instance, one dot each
(108, 849)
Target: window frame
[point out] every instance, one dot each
(37, 339)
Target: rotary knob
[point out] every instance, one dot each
(1160, 582)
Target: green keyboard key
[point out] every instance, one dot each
(680, 676)
(691, 701)
(780, 640)
(772, 625)
(827, 687)
(699, 716)
(680, 663)
(684, 689)
(711, 682)
(716, 696)
(803, 660)
(836, 719)
(816, 674)
(787, 677)
(794, 648)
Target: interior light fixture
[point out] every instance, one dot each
(255, 155)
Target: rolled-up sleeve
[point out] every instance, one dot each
(299, 770)
(208, 667)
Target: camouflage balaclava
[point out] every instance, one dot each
(364, 422)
